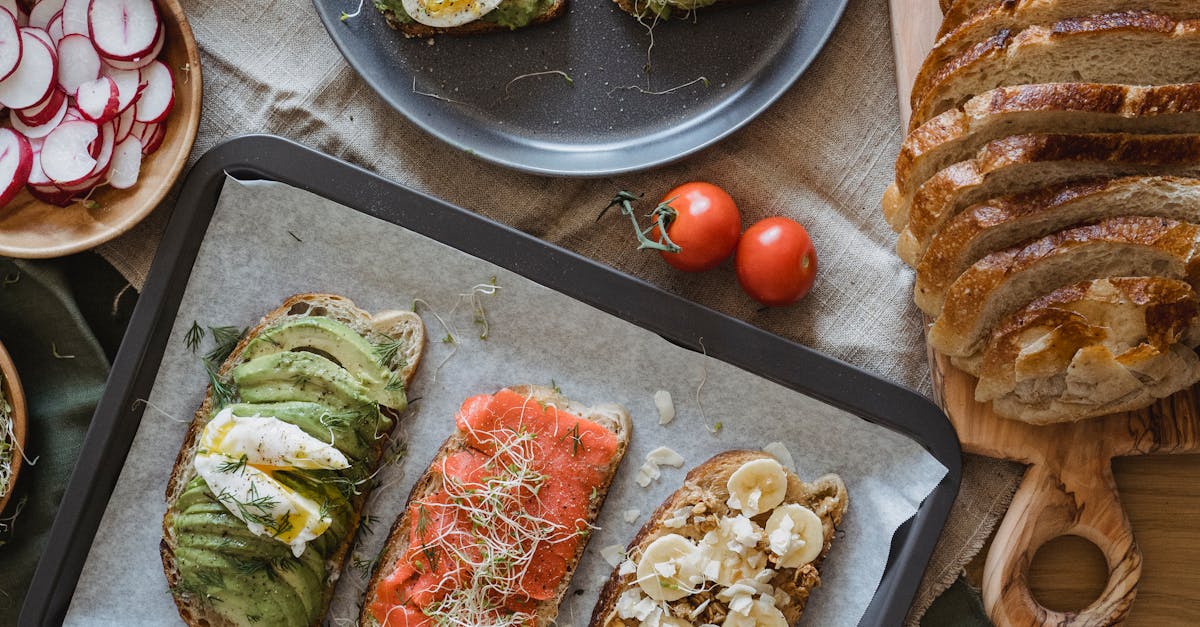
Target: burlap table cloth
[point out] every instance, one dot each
(822, 155)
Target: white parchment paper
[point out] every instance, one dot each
(251, 260)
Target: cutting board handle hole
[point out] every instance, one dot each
(1084, 560)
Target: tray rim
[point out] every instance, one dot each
(118, 416)
(331, 23)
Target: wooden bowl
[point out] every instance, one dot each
(33, 229)
(16, 399)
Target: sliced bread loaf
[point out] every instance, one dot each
(1007, 221)
(1136, 48)
(1005, 281)
(955, 12)
(1026, 163)
(1092, 349)
(958, 134)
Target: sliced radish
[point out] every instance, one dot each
(82, 187)
(75, 17)
(55, 29)
(144, 60)
(36, 176)
(10, 45)
(124, 123)
(159, 95)
(34, 77)
(107, 142)
(78, 62)
(43, 111)
(73, 115)
(126, 162)
(67, 156)
(97, 100)
(123, 29)
(129, 86)
(13, 9)
(43, 12)
(16, 159)
(36, 131)
(52, 195)
(152, 144)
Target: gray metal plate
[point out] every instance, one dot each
(750, 54)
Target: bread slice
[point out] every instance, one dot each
(610, 416)
(410, 28)
(404, 326)
(640, 10)
(1092, 349)
(1136, 48)
(1003, 282)
(705, 492)
(955, 12)
(1008, 221)
(1059, 108)
(1015, 16)
(1025, 163)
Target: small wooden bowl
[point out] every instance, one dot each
(33, 229)
(16, 399)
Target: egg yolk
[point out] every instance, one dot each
(440, 7)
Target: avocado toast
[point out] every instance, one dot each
(505, 16)
(270, 482)
(667, 9)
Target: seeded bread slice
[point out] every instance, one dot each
(1125, 48)
(706, 486)
(1092, 349)
(405, 326)
(610, 416)
(478, 27)
(1003, 282)
(1025, 163)
(1007, 221)
(1059, 108)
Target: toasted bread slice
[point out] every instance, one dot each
(1059, 108)
(1024, 163)
(1003, 282)
(1015, 16)
(610, 416)
(705, 493)
(1138, 49)
(1092, 349)
(1007, 221)
(410, 28)
(640, 9)
(402, 326)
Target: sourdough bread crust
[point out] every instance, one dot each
(1005, 281)
(613, 417)
(1008, 57)
(1007, 221)
(826, 496)
(396, 324)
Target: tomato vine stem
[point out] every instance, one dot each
(662, 216)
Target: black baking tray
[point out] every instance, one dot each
(263, 157)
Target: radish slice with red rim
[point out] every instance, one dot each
(107, 142)
(129, 86)
(98, 100)
(37, 131)
(67, 156)
(123, 29)
(78, 62)
(124, 123)
(55, 29)
(11, 47)
(52, 195)
(41, 112)
(75, 17)
(155, 140)
(44, 36)
(16, 159)
(43, 13)
(159, 95)
(144, 60)
(126, 162)
(34, 77)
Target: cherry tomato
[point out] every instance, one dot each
(706, 226)
(776, 262)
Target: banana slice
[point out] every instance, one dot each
(667, 568)
(795, 535)
(758, 486)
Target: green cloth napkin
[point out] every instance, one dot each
(51, 314)
(959, 606)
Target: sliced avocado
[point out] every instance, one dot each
(346, 347)
(299, 377)
(353, 430)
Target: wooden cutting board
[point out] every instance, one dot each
(1069, 487)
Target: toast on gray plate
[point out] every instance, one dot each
(1139, 49)
(1092, 349)
(522, 477)
(680, 567)
(509, 15)
(667, 9)
(291, 429)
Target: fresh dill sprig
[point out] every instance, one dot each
(226, 339)
(234, 466)
(394, 384)
(193, 337)
(386, 351)
(222, 392)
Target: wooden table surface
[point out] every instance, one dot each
(1161, 494)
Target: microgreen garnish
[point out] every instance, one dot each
(643, 90)
(576, 440)
(449, 339)
(567, 77)
(193, 337)
(12, 278)
(661, 218)
(295, 237)
(58, 355)
(345, 16)
(554, 386)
